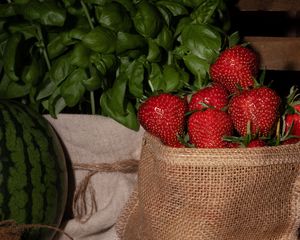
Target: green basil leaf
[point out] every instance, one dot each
(202, 40)
(80, 55)
(94, 82)
(7, 10)
(114, 104)
(135, 73)
(11, 89)
(97, 2)
(128, 4)
(21, 1)
(199, 68)
(112, 100)
(205, 11)
(127, 41)
(171, 77)
(32, 73)
(101, 40)
(44, 12)
(28, 30)
(165, 13)
(47, 88)
(165, 38)
(55, 104)
(61, 68)
(10, 55)
(68, 3)
(183, 22)
(56, 47)
(192, 3)
(233, 39)
(154, 54)
(103, 62)
(155, 80)
(114, 16)
(72, 88)
(175, 8)
(147, 20)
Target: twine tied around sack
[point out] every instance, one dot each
(10, 230)
(80, 209)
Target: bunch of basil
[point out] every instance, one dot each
(105, 56)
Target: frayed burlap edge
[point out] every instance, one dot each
(129, 209)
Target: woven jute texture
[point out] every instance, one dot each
(213, 194)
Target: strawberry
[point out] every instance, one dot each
(290, 141)
(258, 107)
(213, 96)
(292, 120)
(207, 128)
(236, 67)
(164, 116)
(256, 143)
(292, 112)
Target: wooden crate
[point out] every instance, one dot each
(272, 27)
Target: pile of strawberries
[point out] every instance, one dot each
(232, 111)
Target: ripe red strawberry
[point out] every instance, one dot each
(292, 120)
(258, 107)
(164, 116)
(235, 67)
(206, 129)
(256, 143)
(213, 95)
(290, 141)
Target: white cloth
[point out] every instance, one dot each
(98, 139)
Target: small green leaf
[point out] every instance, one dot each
(10, 55)
(94, 82)
(28, 30)
(147, 20)
(55, 104)
(233, 39)
(7, 10)
(165, 38)
(175, 8)
(114, 104)
(80, 55)
(171, 77)
(135, 73)
(101, 39)
(154, 54)
(112, 100)
(205, 11)
(114, 16)
(48, 87)
(45, 12)
(11, 89)
(202, 40)
(199, 68)
(72, 88)
(156, 78)
(61, 68)
(127, 41)
(104, 62)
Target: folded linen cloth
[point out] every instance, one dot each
(92, 140)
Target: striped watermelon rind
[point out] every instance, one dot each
(33, 172)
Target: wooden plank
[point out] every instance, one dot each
(277, 53)
(269, 5)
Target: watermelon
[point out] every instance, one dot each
(33, 173)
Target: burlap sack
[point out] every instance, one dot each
(214, 194)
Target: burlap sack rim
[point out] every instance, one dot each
(222, 156)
